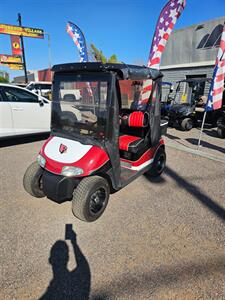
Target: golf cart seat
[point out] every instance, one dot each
(133, 127)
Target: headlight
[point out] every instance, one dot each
(41, 160)
(71, 171)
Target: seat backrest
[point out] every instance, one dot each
(134, 123)
(137, 119)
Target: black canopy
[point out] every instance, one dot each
(124, 71)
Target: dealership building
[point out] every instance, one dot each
(191, 52)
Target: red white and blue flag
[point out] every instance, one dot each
(215, 97)
(166, 21)
(79, 40)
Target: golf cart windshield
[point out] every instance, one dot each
(80, 104)
(188, 92)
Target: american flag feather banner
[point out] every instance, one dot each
(217, 85)
(166, 21)
(77, 35)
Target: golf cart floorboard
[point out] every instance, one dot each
(128, 175)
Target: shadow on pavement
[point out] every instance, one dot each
(212, 133)
(67, 284)
(172, 137)
(163, 276)
(23, 140)
(158, 179)
(218, 210)
(206, 145)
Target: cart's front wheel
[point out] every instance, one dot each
(90, 198)
(32, 180)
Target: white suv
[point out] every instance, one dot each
(22, 112)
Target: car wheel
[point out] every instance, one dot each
(90, 198)
(32, 180)
(158, 164)
(221, 132)
(187, 124)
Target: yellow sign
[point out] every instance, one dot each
(22, 31)
(15, 66)
(6, 59)
(184, 98)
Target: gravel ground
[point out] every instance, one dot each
(161, 239)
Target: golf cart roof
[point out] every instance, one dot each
(195, 80)
(124, 71)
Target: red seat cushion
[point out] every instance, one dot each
(130, 143)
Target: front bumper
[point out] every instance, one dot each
(58, 187)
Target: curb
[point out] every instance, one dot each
(195, 152)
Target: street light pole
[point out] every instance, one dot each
(23, 51)
(49, 51)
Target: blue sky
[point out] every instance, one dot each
(123, 27)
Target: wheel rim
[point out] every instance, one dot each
(98, 201)
(189, 125)
(38, 183)
(160, 163)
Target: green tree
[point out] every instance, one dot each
(3, 80)
(97, 55)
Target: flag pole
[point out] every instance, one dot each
(201, 131)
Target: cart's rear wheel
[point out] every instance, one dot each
(32, 180)
(187, 124)
(90, 198)
(158, 164)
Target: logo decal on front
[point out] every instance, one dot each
(62, 148)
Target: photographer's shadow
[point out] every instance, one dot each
(67, 284)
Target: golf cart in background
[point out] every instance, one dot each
(188, 108)
(189, 93)
(166, 102)
(110, 145)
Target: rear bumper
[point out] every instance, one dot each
(57, 187)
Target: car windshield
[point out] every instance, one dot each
(80, 104)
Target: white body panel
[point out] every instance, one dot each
(30, 117)
(6, 121)
(75, 150)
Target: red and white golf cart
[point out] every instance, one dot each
(101, 141)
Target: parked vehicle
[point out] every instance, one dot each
(22, 112)
(87, 159)
(221, 126)
(167, 100)
(42, 88)
(188, 109)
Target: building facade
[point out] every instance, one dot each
(191, 52)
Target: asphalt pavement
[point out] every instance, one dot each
(162, 239)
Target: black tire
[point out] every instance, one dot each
(187, 124)
(90, 198)
(32, 180)
(221, 132)
(158, 164)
